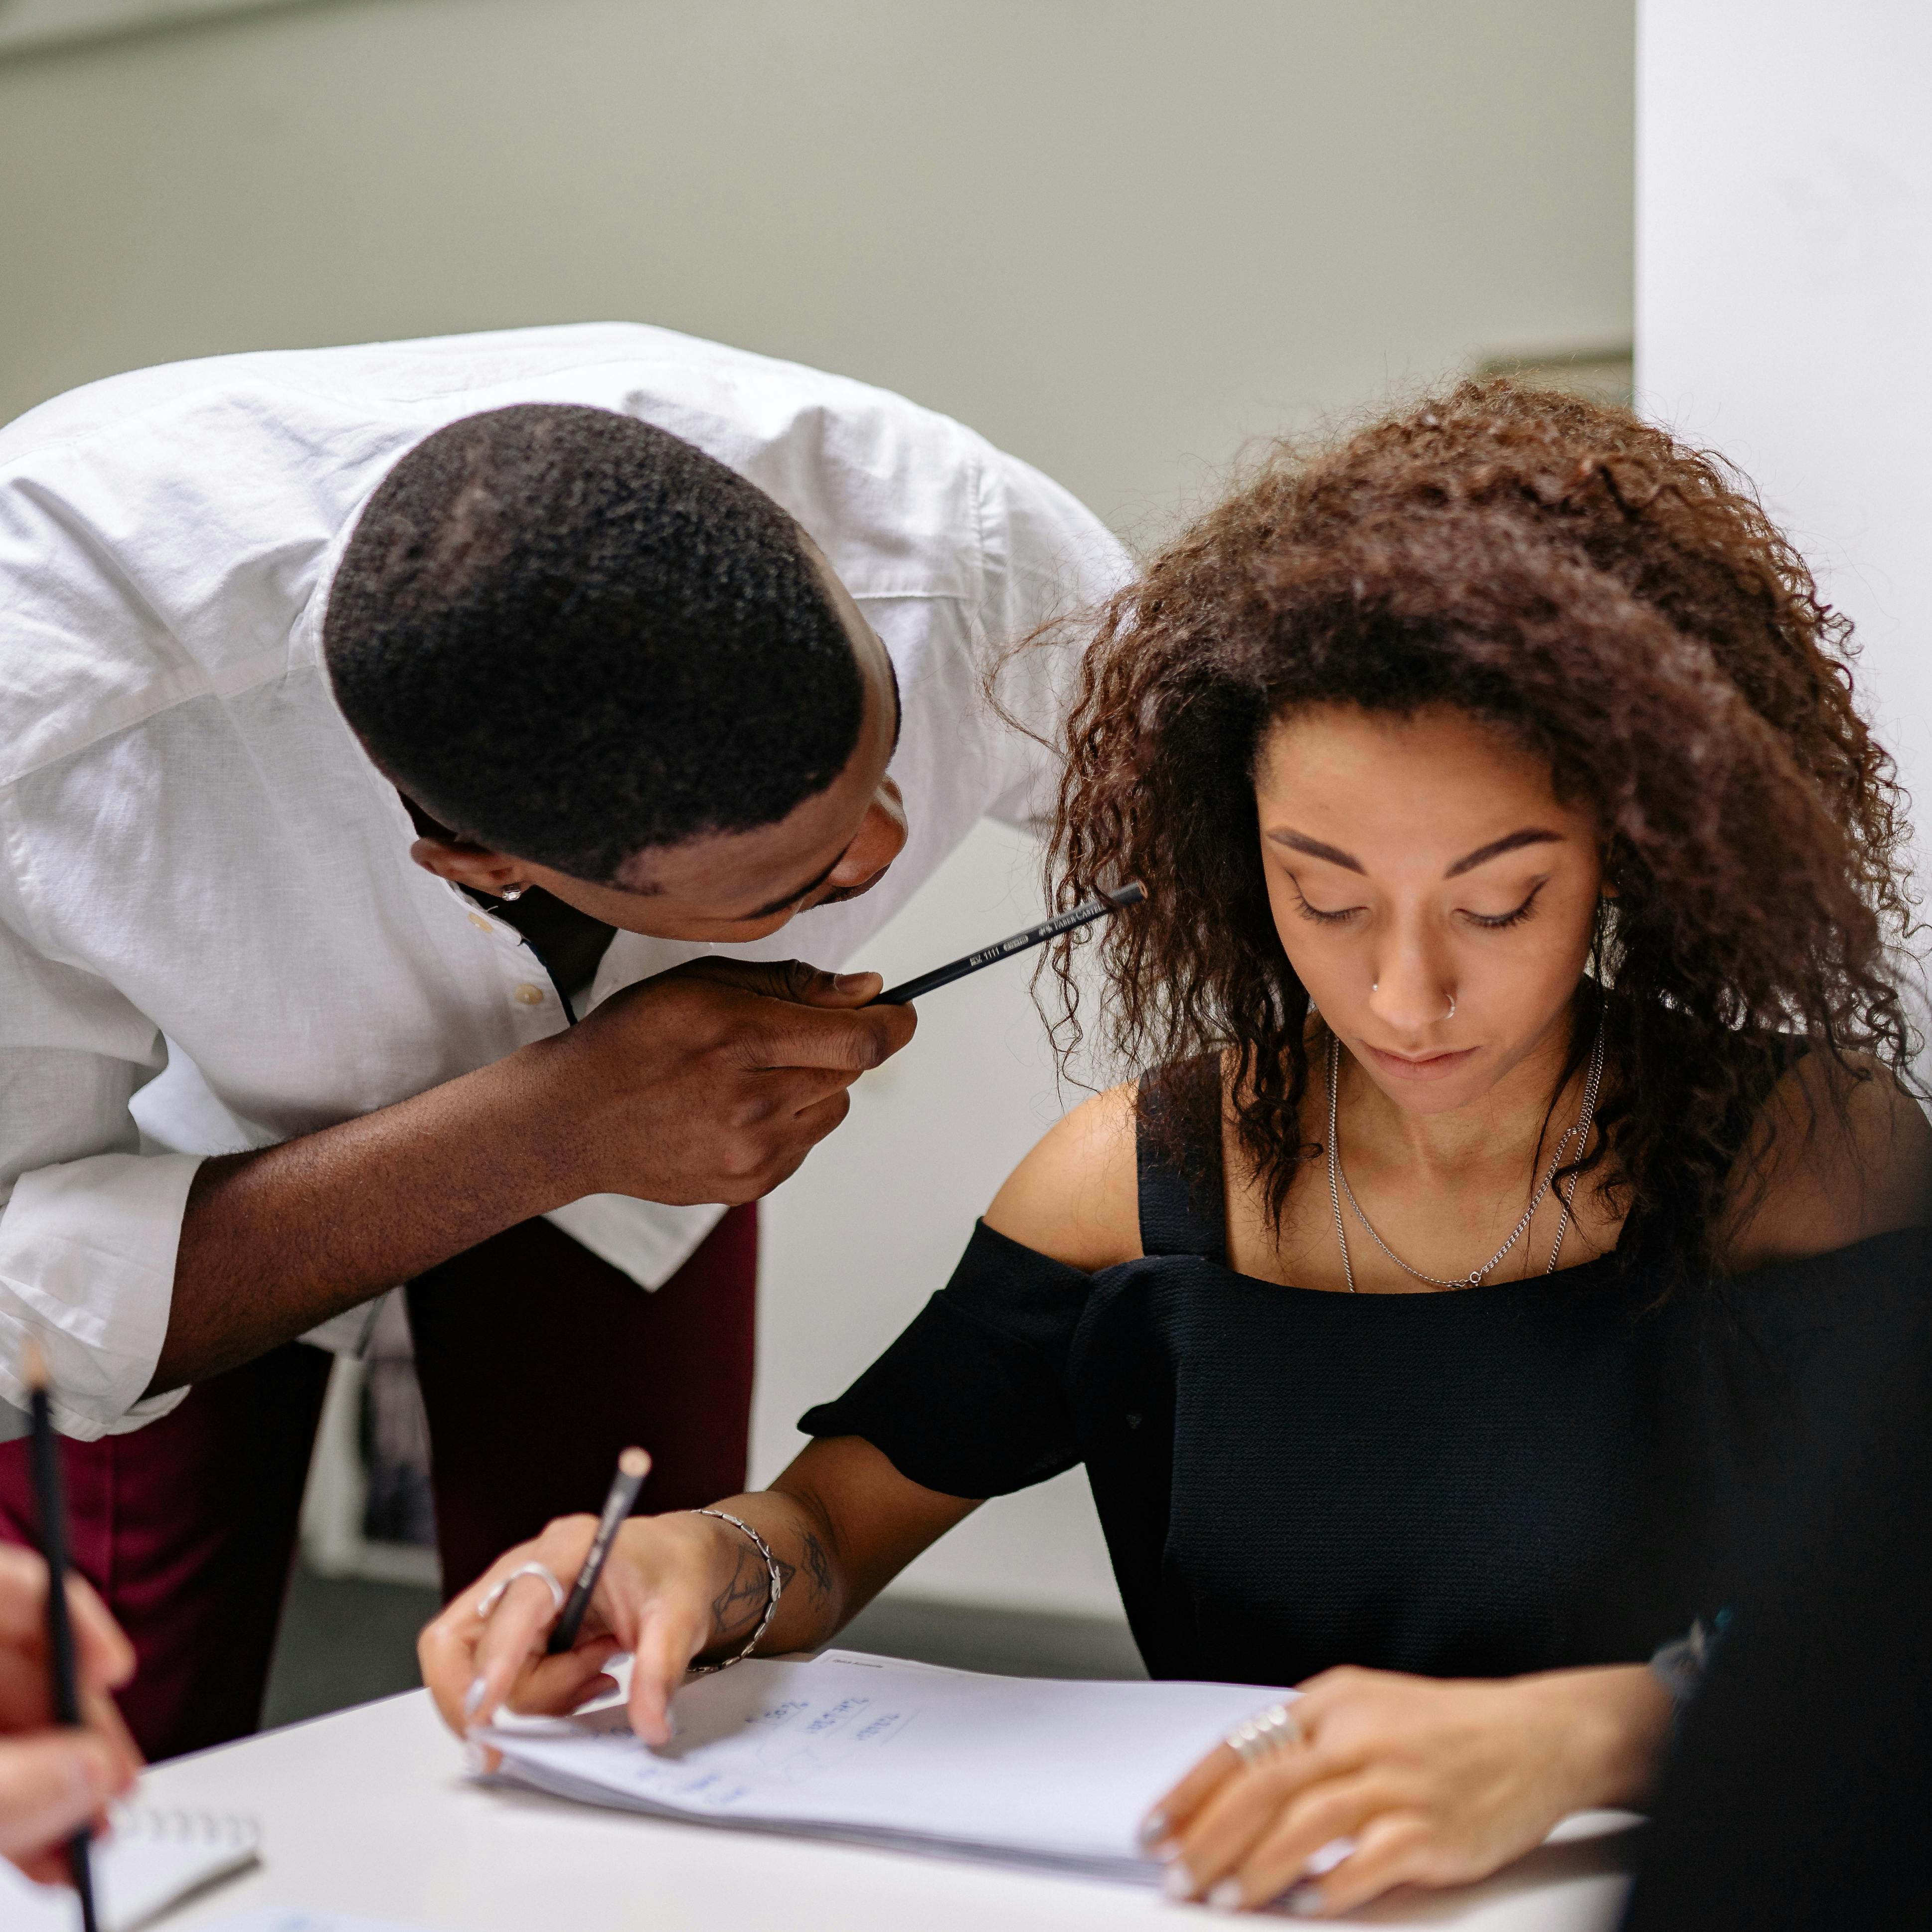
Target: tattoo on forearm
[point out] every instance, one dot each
(818, 1566)
(736, 1608)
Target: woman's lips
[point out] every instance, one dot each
(1420, 1067)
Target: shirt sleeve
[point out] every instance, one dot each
(1049, 561)
(970, 1399)
(90, 1225)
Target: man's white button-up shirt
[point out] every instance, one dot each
(212, 937)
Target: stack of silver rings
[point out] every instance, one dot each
(1264, 1734)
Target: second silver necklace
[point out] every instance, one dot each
(1338, 1184)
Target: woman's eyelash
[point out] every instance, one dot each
(1500, 920)
(1495, 922)
(1324, 918)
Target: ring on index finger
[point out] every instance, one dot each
(492, 1596)
(1267, 1731)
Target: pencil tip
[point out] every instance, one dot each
(30, 1365)
(634, 1462)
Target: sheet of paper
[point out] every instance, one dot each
(1031, 1769)
(153, 1859)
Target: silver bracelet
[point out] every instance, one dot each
(772, 1570)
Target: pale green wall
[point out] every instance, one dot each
(1117, 237)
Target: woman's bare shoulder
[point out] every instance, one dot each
(1075, 1197)
(1841, 1152)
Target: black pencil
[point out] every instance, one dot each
(51, 1501)
(1020, 942)
(633, 1466)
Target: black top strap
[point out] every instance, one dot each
(1179, 1163)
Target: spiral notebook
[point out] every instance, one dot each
(155, 1859)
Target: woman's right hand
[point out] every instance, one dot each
(841, 1521)
(673, 1587)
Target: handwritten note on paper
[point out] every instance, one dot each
(846, 1745)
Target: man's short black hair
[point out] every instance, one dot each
(572, 636)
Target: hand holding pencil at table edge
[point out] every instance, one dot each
(681, 1589)
(55, 1780)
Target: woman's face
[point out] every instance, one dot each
(1435, 895)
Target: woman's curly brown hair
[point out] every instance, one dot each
(1619, 602)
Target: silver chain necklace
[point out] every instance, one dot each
(1338, 1184)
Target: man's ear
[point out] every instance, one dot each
(463, 864)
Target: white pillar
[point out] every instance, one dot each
(1784, 295)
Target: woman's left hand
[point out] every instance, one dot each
(1434, 1781)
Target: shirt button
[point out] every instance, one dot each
(481, 924)
(527, 995)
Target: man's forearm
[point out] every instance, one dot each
(275, 1242)
(710, 1083)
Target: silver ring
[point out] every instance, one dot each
(1265, 1733)
(490, 1599)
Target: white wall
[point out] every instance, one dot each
(875, 1221)
(1784, 293)
(1119, 236)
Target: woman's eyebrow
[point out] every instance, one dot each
(1315, 849)
(1496, 848)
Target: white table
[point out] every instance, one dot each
(372, 1811)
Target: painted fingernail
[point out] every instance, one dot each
(1153, 1828)
(473, 1698)
(1227, 1896)
(476, 1759)
(1179, 1882)
(1304, 1901)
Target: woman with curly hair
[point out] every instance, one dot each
(1516, 988)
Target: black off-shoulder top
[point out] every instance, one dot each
(1526, 1475)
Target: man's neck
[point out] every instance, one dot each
(570, 943)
